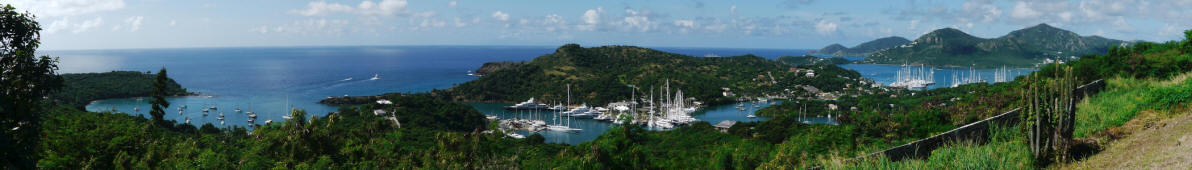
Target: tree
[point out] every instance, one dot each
(1188, 41)
(159, 97)
(25, 80)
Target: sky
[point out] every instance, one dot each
(781, 24)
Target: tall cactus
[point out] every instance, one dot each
(1049, 113)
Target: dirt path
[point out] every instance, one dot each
(1151, 142)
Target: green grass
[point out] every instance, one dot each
(1126, 97)
(1007, 149)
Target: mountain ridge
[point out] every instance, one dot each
(1020, 48)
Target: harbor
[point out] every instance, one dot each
(521, 122)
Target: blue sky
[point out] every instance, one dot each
(797, 24)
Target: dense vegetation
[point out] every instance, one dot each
(25, 80)
(604, 74)
(351, 137)
(863, 49)
(1020, 48)
(494, 66)
(79, 89)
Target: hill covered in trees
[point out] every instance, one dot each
(863, 49)
(81, 88)
(1020, 48)
(810, 60)
(604, 74)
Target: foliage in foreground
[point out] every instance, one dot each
(1007, 149)
(25, 79)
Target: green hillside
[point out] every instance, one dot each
(603, 74)
(1020, 48)
(863, 49)
(81, 88)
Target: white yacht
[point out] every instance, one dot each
(580, 112)
(527, 105)
(375, 77)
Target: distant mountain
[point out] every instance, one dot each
(831, 49)
(864, 48)
(810, 60)
(1025, 47)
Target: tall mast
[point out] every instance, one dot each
(569, 94)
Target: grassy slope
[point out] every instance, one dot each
(1005, 151)
(1140, 128)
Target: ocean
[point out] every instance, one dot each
(267, 79)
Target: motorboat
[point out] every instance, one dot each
(527, 105)
(375, 77)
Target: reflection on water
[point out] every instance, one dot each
(886, 74)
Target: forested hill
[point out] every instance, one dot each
(863, 49)
(603, 74)
(81, 88)
(807, 59)
(1025, 47)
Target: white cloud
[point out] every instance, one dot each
(383, 8)
(732, 10)
(321, 8)
(685, 23)
(591, 19)
(368, 8)
(173, 22)
(501, 16)
(57, 25)
(554, 22)
(825, 27)
(134, 23)
(635, 20)
(61, 8)
(452, 4)
(1023, 10)
(310, 27)
(87, 25)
